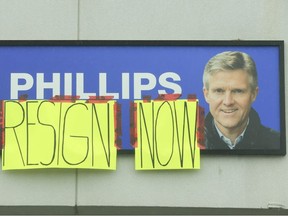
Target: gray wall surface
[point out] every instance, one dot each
(258, 182)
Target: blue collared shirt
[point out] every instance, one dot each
(229, 143)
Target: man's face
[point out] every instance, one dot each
(230, 97)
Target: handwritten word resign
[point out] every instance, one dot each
(41, 133)
(166, 135)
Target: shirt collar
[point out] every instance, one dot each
(229, 143)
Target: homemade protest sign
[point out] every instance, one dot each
(166, 134)
(59, 134)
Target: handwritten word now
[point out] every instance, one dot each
(49, 134)
(166, 135)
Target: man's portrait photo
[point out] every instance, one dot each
(230, 86)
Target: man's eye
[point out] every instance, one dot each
(219, 91)
(238, 91)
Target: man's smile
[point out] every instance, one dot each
(228, 111)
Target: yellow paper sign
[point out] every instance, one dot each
(166, 135)
(47, 134)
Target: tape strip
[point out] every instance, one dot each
(2, 125)
(65, 98)
(118, 125)
(99, 99)
(133, 125)
(200, 127)
(168, 97)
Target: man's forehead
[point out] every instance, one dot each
(233, 79)
(229, 74)
(228, 71)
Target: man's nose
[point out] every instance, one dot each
(228, 99)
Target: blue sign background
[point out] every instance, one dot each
(187, 61)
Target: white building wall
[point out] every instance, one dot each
(223, 181)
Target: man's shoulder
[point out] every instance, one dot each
(269, 138)
(269, 132)
(262, 129)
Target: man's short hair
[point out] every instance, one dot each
(231, 60)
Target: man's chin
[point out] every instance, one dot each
(229, 125)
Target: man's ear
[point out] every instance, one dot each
(255, 93)
(206, 94)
